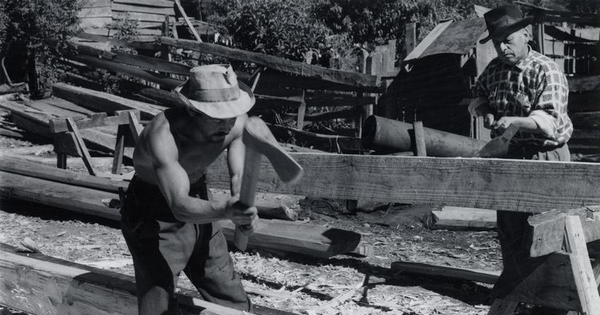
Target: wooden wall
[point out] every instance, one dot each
(98, 17)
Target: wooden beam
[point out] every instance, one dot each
(14, 165)
(73, 198)
(513, 185)
(548, 228)
(41, 284)
(282, 236)
(103, 102)
(96, 120)
(279, 235)
(353, 79)
(128, 70)
(483, 276)
(150, 63)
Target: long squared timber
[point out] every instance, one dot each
(513, 185)
(354, 79)
(43, 285)
(277, 235)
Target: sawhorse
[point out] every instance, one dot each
(68, 139)
(560, 272)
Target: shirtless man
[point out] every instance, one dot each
(167, 221)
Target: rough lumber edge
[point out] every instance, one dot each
(445, 271)
(548, 232)
(70, 285)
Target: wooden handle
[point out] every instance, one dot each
(247, 191)
(260, 141)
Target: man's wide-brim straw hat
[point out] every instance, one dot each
(215, 91)
(503, 21)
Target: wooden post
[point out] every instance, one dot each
(187, 21)
(419, 139)
(583, 274)
(301, 112)
(410, 37)
(85, 154)
(119, 149)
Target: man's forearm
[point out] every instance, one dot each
(198, 211)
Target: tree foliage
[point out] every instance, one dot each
(38, 29)
(290, 28)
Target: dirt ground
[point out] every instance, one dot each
(344, 284)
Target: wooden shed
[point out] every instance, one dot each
(103, 17)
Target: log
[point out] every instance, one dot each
(445, 271)
(387, 134)
(42, 285)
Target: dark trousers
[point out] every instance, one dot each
(162, 247)
(513, 226)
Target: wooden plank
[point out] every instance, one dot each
(466, 182)
(95, 22)
(150, 63)
(94, 3)
(102, 102)
(99, 119)
(46, 285)
(297, 237)
(61, 103)
(548, 232)
(141, 17)
(483, 276)
(585, 282)
(131, 44)
(94, 12)
(460, 218)
(135, 72)
(123, 7)
(153, 3)
(353, 79)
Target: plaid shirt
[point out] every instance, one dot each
(534, 87)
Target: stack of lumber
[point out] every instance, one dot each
(85, 194)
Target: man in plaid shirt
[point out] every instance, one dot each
(524, 88)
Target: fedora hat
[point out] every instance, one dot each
(215, 91)
(503, 21)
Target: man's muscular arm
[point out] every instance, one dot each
(174, 183)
